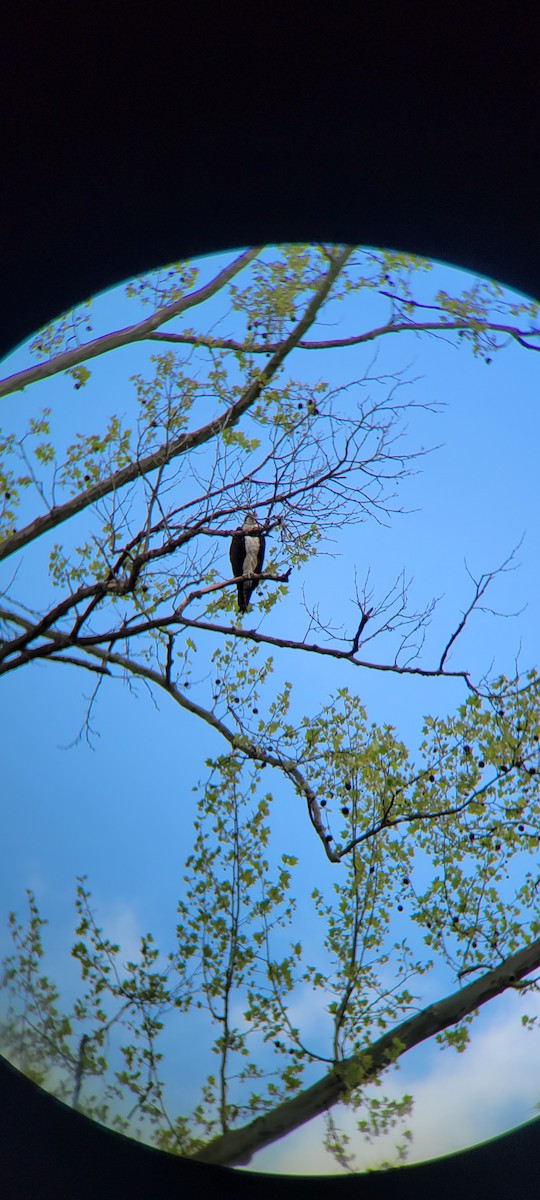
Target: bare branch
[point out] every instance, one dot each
(168, 665)
(481, 586)
(312, 648)
(125, 632)
(366, 614)
(511, 331)
(79, 662)
(86, 727)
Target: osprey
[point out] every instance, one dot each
(247, 557)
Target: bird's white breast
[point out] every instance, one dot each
(251, 555)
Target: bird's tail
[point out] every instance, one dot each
(245, 592)
(242, 598)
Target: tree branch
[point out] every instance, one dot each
(312, 648)
(462, 325)
(481, 585)
(387, 821)
(238, 1146)
(187, 441)
(131, 333)
(125, 632)
(238, 743)
(79, 1071)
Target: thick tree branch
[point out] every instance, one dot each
(369, 335)
(187, 441)
(148, 329)
(239, 743)
(88, 641)
(238, 1146)
(79, 662)
(131, 333)
(97, 591)
(253, 635)
(58, 642)
(40, 628)
(79, 1071)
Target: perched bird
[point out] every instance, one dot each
(247, 557)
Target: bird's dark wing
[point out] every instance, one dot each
(237, 553)
(260, 559)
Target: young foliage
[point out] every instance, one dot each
(429, 852)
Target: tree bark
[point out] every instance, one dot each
(238, 1146)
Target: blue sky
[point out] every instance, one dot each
(122, 812)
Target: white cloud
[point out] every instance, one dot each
(121, 926)
(307, 1012)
